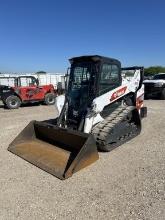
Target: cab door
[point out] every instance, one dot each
(29, 89)
(110, 78)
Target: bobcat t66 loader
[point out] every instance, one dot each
(101, 111)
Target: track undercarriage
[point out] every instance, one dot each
(122, 125)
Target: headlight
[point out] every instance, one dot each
(160, 84)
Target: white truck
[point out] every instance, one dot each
(155, 87)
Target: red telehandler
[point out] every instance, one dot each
(26, 89)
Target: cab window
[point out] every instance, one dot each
(110, 78)
(27, 81)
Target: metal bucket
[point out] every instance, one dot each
(60, 152)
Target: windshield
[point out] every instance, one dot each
(80, 89)
(80, 75)
(160, 76)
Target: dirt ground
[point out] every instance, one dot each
(127, 183)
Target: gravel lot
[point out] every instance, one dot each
(127, 183)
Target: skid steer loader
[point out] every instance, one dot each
(101, 111)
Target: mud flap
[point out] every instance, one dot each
(137, 120)
(143, 112)
(60, 152)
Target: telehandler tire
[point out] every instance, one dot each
(49, 99)
(13, 102)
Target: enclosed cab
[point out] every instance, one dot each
(90, 77)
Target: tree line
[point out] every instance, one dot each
(152, 70)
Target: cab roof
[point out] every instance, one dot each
(94, 58)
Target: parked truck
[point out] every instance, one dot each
(155, 88)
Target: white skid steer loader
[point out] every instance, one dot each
(101, 110)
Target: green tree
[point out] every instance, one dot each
(152, 70)
(41, 72)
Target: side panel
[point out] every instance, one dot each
(129, 85)
(32, 92)
(140, 98)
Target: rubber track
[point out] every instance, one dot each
(102, 130)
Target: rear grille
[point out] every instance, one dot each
(149, 87)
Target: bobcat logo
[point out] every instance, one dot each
(118, 93)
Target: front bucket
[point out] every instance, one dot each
(60, 152)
